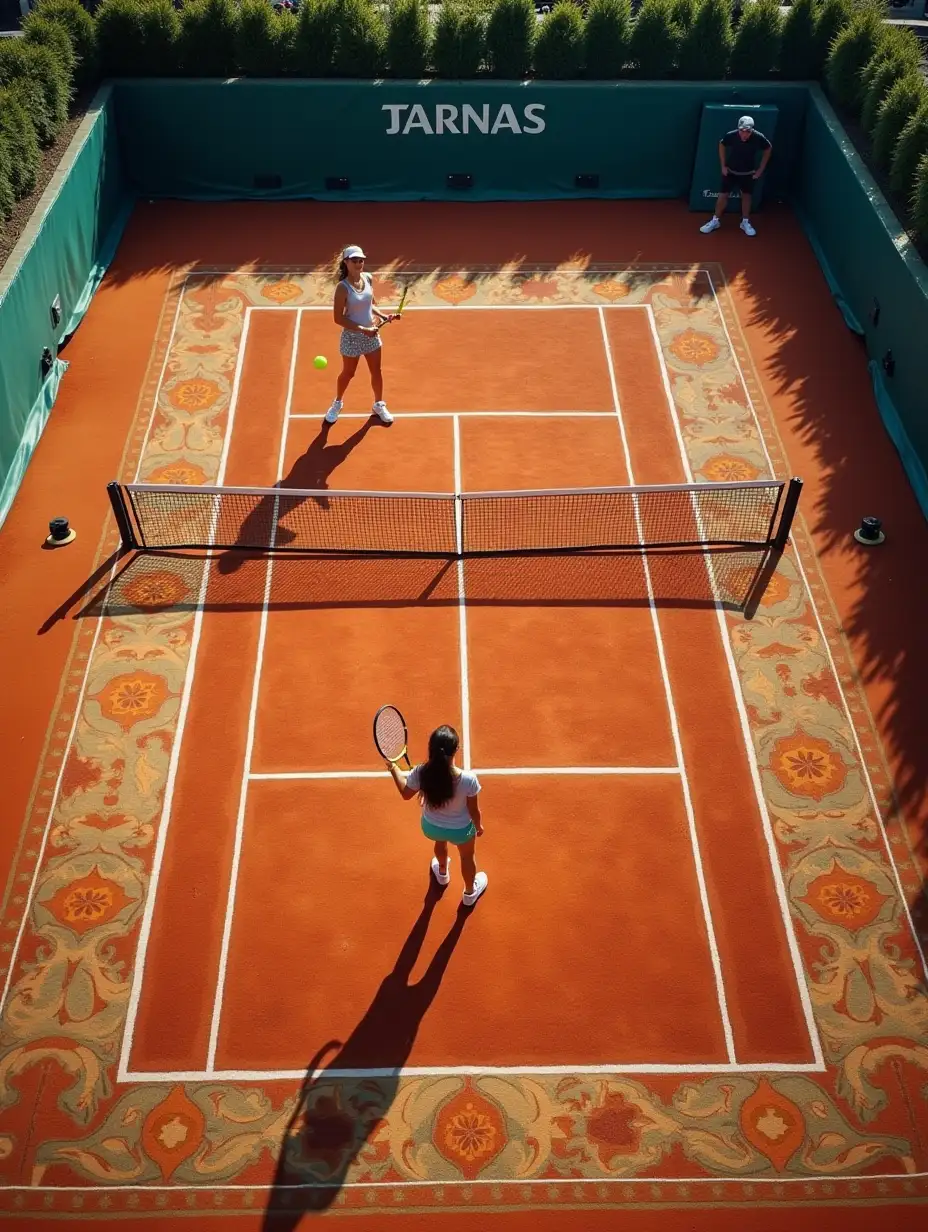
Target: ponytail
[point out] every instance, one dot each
(436, 782)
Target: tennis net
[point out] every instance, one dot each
(756, 514)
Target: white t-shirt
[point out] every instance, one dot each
(452, 815)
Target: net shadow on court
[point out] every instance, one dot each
(163, 582)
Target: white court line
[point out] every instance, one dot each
(82, 692)
(827, 645)
(453, 307)
(421, 1071)
(462, 602)
(747, 736)
(296, 775)
(476, 415)
(250, 736)
(138, 970)
(671, 708)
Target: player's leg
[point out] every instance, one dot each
(349, 368)
(721, 205)
(474, 883)
(375, 365)
(440, 864)
(746, 207)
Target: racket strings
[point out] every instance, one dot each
(390, 733)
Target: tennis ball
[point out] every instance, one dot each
(321, 362)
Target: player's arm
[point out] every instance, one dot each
(473, 808)
(764, 160)
(399, 778)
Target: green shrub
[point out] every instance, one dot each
(80, 25)
(559, 44)
(849, 54)
(18, 131)
(920, 200)
(799, 47)
(44, 32)
(879, 76)
(7, 199)
(138, 38)
(362, 39)
(911, 148)
(315, 38)
(207, 40)
(684, 14)
(409, 38)
(607, 35)
(510, 38)
(756, 49)
(256, 40)
(705, 49)
(831, 17)
(897, 108)
(459, 40)
(48, 90)
(655, 43)
(284, 28)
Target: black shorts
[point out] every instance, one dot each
(738, 182)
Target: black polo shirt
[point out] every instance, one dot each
(741, 156)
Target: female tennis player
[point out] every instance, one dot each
(355, 310)
(450, 810)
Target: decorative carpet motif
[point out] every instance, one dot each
(71, 918)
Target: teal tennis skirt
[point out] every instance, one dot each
(440, 834)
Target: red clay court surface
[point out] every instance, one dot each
(694, 979)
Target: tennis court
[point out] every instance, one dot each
(327, 1028)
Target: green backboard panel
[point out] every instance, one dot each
(717, 120)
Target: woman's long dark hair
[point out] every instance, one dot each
(436, 782)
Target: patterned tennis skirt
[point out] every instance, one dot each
(354, 344)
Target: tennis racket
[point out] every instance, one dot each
(390, 735)
(399, 311)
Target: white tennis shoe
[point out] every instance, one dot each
(442, 879)
(334, 411)
(380, 410)
(746, 227)
(480, 884)
(712, 225)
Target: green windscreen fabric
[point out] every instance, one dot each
(870, 262)
(62, 256)
(396, 140)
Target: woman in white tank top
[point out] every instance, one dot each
(355, 311)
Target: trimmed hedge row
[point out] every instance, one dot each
(869, 68)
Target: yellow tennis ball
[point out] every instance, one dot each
(321, 362)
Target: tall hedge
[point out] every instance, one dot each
(138, 38)
(559, 43)
(315, 38)
(607, 34)
(257, 43)
(920, 200)
(409, 39)
(48, 88)
(899, 105)
(459, 39)
(7, 198)
(207, 38)
(655, 43)
(911, 148)
(72, 15)
(851, 50)
(799, 59)
(22, 143)
(361, 42)
(755, 52)
(43, 32)
(830, 19)
(511, 38)
(706, 46)
(878, 77)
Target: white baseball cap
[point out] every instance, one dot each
(745, 122)
(354, 251)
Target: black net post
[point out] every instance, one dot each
(121, 514)
(789, 512)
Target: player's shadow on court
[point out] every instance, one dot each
(265, 524)
(337, 1113)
